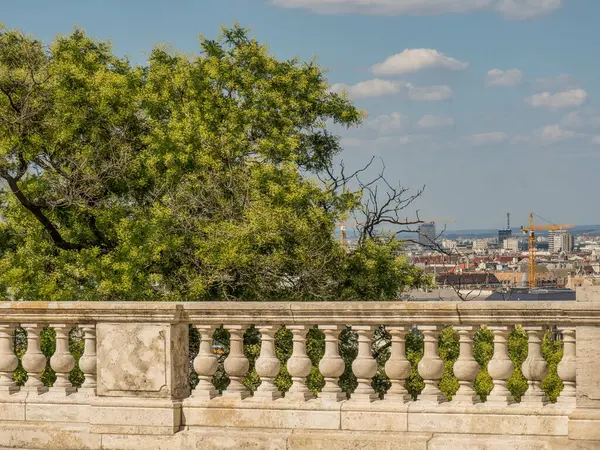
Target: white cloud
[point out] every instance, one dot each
(582, 120)
(370, 88)
(494, 137)
(554, 133)
(526, 9)
(412, 60)
(511, 9)
(561, 82)
(560, 100)
(431, 121)
(548, 135)
(431, 93)
(388, 123)
(378, 87)
(596, 140)
(498, 77)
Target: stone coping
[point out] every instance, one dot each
(306, 313)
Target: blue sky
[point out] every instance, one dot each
(492, 104)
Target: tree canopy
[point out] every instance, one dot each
(188, 178)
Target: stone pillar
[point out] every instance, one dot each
(62, 362)
(431, 366)
(534, 367)
(88, 361)
(465, 367)
(205, 364)
(397, 368)
(236, 364)
(8, 359)
(267, 365)
(142, 373)
(584, 421)
(299, 365)
(34, 361)
(364, 366)
(567, 367)
(332, 365)
(500, 367)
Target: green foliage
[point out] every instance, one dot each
(315, 349)
(483, 350)
(552, 350)
(190, 178)
(414, 353)
(283, 350)
(373, 270)
(448, 350)
(381, 353)
(517, 350)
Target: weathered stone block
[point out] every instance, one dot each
(356, 440)
(142, 360)
(376, 416)
(258, 413)
(56, 436)
(135, 416)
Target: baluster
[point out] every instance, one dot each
(431, 366)
(236, 364)
(534, 367)
(299, 365)
(465, 367)
(8, 359)
(87, 362)
(364, 366)
(567, 367)
(267, 365)
(205, 364)
(62, 362)
(34, 361)
(332, 365)
(397, 367)
(500, 367)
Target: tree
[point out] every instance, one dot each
(189, 178)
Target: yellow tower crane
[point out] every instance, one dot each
(530, 230)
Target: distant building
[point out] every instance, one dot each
(480, 245)
(449, 244)
(468, 280)
(427, 234)
(511, 244)
(560, 241)
(503, 235)
(515, 279)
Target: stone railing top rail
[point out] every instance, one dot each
(307, 313)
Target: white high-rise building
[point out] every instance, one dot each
(560, 241)
(427, 234)
(511, 244)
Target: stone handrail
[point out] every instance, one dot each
(308, 313)
(136, 368)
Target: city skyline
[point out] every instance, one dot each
(494, 108)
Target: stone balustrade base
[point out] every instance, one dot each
(44, 422)
(65, 436)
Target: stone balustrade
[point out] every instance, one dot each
(136, 366)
